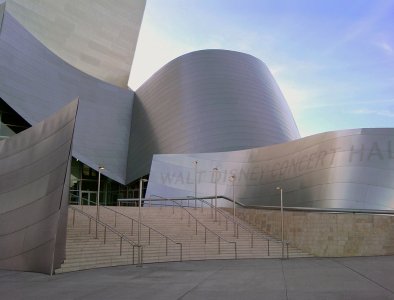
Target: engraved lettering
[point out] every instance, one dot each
(354, 152)
(375, 151)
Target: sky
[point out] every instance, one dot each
(332, 59)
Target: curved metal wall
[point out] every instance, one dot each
(97, 37)
(34, 194)
(207, 101)
(36, 83)
(351, 169)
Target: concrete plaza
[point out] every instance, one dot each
(303, 278)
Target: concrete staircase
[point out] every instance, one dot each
(174, 234)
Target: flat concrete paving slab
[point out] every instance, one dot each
(300, 278)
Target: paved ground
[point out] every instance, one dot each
(304, 278)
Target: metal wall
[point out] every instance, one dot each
(34, 193)
(207, 101)
(36, 83)
(97, 37)
(351, 169)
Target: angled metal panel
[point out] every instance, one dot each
(34, 193)
(97, 37)
(36, 83)
(2, 8)
(351, 169)
(206, 101)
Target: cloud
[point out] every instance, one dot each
(364, 26)
(385, 46)
(376, 112)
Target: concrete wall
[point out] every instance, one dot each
(328, 234)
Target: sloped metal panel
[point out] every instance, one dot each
(96, 37)
(34, 193)
(207, 101)
(2, 8)
(352, 169)
(36, 83)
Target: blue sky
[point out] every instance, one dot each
(333, 60)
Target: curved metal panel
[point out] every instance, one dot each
(34, 193)
(344, 169)
(96, 37)
(2, 8)
(36, 83)
(206, 101)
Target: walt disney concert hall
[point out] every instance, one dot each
(68, 117)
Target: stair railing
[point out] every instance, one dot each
(106, 227)
(197, 222)
(228, 219)
(150, 229)
(222, 212)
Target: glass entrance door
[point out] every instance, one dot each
(89, 197)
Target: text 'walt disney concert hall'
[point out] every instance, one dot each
(202, 118)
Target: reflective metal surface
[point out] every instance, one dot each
(97, 37)
(34, 193)
(350, 169)
(36, 83)
(207, 101)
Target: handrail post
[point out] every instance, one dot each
(287, 246)
(105, 234)
(211, 208)
(90, 222)
(235, 250)
(149, 236)
(251, 241)
(142, 256)
(73, 217)
(115, 218)
(196, 226)
(132, 226)
(218, 244)
(120, 246)
(166, 246)
(181, 250)
(205, 235)
(268, 247)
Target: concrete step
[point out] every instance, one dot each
(84, 251)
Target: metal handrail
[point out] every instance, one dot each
(228, 218)
(205, 227)
(312, 209)
(202, 199)
(149, 229)
(106, 226)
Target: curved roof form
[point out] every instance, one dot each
(207, 101)
(34, 194)
(350, 169)
(96, 37)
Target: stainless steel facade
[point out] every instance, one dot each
(36, 83)
(34, 194)
(351, 169)
(207, 101)
(219, 102)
